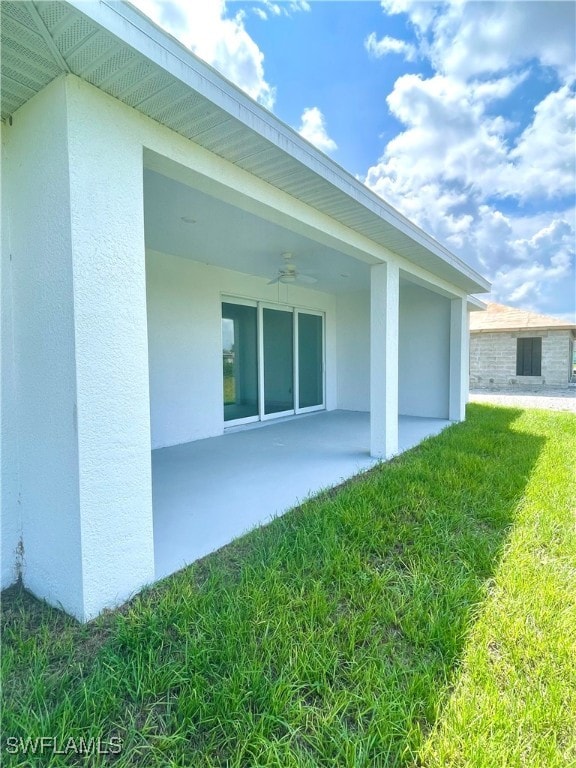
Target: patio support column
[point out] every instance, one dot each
(458, 360)
(111, 352)
(384, 314)
(79, 430)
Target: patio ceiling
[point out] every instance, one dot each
(117, 49)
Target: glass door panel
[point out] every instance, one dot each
(310, 361)
(278, 347)
(239, 361)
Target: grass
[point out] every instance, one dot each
(229, 389)
(422, 614)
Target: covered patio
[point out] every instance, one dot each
(192, 263)
(208, 492)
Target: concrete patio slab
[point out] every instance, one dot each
(209, 492)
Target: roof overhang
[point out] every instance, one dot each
(476, 305)
(114, 47)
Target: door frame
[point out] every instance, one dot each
(226, 299)
(295, 311)
(322, 406)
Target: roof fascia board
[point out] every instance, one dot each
(476, 305)
(133, 28)
(424, 280)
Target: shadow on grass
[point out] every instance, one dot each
(328, 638)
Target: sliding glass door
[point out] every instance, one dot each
(278, 349)
(273, 361)
(240, 361)
(310, 360)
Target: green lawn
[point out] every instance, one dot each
(229, 390)
(421, 615)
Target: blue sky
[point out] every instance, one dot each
(460, 114)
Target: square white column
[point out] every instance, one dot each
(111, 351)
(82, 423)
(458, 360)
(384, 314)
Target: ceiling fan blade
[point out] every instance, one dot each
(274, 280)
(306, 279)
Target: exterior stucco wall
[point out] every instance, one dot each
(41, 396)
(493, 360)
(424, 353)
(10, 517)
(79, 396)
(111, 349)
(353, 312)
(184, 301)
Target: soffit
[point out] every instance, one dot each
(117, 49)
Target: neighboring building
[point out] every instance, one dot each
(513, 348)
(147, 206)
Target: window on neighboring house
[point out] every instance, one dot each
(529, 357)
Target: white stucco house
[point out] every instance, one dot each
(147, 302)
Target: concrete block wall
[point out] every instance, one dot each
(493, 360)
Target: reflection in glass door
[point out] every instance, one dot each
(310, 361)
(278, 347)
(240, 361)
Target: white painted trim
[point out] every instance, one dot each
(277, 415)
(475, 304)
(272, 305)
(243, 302)
(238, 422)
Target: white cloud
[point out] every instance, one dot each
(221, 41)
(273, 8)
(544, 154)
(473, 38)
(463, 171)
(448, 137)
(385, 45)
(451, 125)
(280, 9)
(541, 274)
(298, 5)
(467, 39)
(422, 13)
(313, 128)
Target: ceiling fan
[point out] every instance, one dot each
(289, 274)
